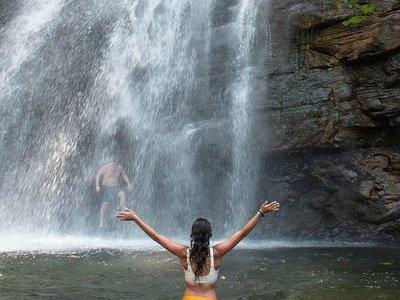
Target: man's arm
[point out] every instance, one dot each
(98, 177)
(126, 179)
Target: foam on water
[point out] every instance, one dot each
(70, 243)
(22, 244)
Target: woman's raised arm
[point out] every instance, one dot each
(222, 248)
(173, 247)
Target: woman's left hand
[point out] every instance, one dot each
(127, 215)
(267, 207)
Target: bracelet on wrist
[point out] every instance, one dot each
(261, 213)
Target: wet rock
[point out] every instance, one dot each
(366, 189)
(330, 121)
(374, 94)
(392, 70)
(374, 37)
(312, 13)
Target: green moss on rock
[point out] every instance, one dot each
(367, 9)
(364, 10)
(354, 21)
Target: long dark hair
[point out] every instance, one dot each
(200, 245)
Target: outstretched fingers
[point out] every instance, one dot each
(126, 215)
(273, 206)
(128, 210)
(122, 216)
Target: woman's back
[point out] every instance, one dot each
(202, 287)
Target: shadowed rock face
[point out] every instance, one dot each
(331, 119)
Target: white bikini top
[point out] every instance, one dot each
(210, 278)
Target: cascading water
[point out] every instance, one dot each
(246, 50)
(245, 164)
(163, 87)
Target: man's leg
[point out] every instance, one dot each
(122, 199)
(102, 213)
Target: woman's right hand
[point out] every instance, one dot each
(127, 215)
(267, 207)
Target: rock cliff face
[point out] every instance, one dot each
(333, 118)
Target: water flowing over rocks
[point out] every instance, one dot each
(191, 96)
(331, 119)
(163, 87)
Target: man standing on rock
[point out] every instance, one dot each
(108, 180)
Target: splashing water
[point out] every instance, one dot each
(163, 87)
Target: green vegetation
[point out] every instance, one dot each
(367, 9)
(363, 10)
(354, 21)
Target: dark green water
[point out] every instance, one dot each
(280, 273)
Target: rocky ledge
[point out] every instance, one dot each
(332, 147)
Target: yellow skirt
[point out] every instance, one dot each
(195, 297)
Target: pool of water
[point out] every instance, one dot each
(273, 273)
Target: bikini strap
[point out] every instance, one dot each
(212, 257)
(188, 257)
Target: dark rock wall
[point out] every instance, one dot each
(332, 144)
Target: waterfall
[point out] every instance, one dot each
(23, 37)
(163, 87)
(155, 72)
(249, 46)
(244, 163)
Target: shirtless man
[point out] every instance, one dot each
(109, 178)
